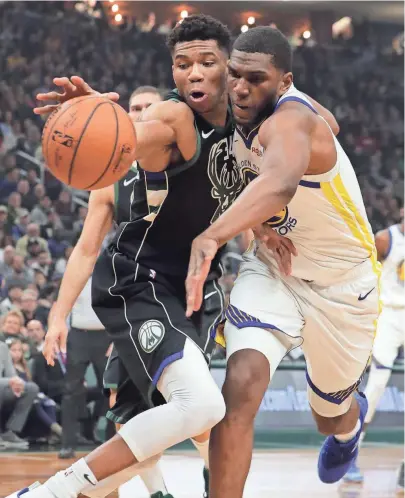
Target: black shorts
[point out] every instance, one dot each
(144, 314)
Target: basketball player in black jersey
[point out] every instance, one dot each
(187, 178)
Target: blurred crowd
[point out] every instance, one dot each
(39, 220)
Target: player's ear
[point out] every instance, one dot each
(286, 82)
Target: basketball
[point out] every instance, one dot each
(89, 142)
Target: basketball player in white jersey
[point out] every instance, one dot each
(390, 245)
(305, 187)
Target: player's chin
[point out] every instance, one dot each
(242, 115)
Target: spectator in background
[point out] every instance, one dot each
(28, 200)
(40, 279)
(13, 323)
(61, 263)
(17, 395)
(43, 263)
(3, 219)
(32, 237)
(32, 177)
(44, 408)
(78, 224)
(39, 192)
(14, 207)
(19, 272)
(39, 214)
(52, 225)
(36, 333)
(9, 183)
(13, 299)
(63, 207)
(31, 310)
(6, 260)
(20, 228)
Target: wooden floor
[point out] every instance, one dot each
(274, 474)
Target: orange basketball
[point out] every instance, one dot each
(89, 142)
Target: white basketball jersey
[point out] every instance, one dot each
(326, 219)
(392, 277)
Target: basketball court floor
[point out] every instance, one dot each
(276, 473)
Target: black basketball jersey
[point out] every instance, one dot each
(123, 196)
(169, 209)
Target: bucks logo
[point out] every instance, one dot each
(150, 335)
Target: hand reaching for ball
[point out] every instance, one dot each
(72, 88)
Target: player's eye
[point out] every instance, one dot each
(182, 65)
(233, 73)
(208, 63)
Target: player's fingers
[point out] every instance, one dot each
(190, 286)
(49, 96)
(46, 109)
(82, 85)
(286, 256)
(67, 85)
(62, 343)
(290, 246)
(114, 96)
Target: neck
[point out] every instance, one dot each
(217, 117)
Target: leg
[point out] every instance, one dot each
(194, 405)
(247, 378)
(74, 395)
(22, 407)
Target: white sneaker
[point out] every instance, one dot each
(23, 491)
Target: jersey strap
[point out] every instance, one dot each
(294, 98)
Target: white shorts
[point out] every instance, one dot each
(390, 336)
(335, 325)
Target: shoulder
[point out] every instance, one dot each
(290, 116)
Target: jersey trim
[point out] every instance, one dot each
(389, 244)
(116, 198)
(294, 99)
(305, 183)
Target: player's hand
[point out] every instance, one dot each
(203, 251)
(55, 340)
(281, 247)
(71, 88)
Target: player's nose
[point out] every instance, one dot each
(195, 74)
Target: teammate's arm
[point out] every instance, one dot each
(326, 114)
(79, 267)
(382, 244)
(286, 137)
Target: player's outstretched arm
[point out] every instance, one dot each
(286, 136)
(382, 244)
(79, 268)
(165, 125)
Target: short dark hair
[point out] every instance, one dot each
(267, 40)
(200, 27)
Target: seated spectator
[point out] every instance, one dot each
(43, 263)
(40, 279)
(51, 380)
(28, 200)
(61, 263)
(39, 193)
(19, 229)
(13, 299)
(78, 224)
(7, 260)
(3, 219)
(52, 225)
(31, 310)
(32, 177)
(39, 214)
(36, 333)
(17, 397)
(8, 184)
(12, 325)
(19, 272)
(44, 407)
(14, 207)
(33, 234)
(64, 209)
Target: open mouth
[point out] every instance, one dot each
(198, 96)
(242, 107)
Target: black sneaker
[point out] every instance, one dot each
(159, 494)
(400, 482)
(206, 475)
(11, 439)
(67, 453)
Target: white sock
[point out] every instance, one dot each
(361, 438)
(70, 482)
(203, 450)
(376, 384)
(344, 438)
(153, 479)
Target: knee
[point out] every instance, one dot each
(246, 381)
(327, 426)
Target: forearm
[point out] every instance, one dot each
(261, 200)
(78, 271)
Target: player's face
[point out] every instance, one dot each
(254, 85)
(141, 102)
(199, 71)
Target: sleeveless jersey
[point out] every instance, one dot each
(392, 277)
(169, 209)
(326, 219)
(123, 196)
